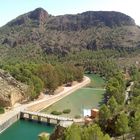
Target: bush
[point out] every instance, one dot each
(77, 117)
(1, 110)
(66, 111)
(56, 112)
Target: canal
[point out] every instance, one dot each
(87, 97)
(25, 130)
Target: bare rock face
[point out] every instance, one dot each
(11, 91)
(39, 14)
(89, 19)
(57, 133)
(37, 17)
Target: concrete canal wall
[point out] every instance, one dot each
(7, 123)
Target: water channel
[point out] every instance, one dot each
(25, 130)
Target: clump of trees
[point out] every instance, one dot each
(56, 112)
(134, 107)
(112, 118)
(66, 111)
(2, 110)
(44, 76)
(116, 88)
(101, 61)
(91, 132)
(116, 117)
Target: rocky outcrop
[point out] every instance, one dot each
(89, 19)
(57, 134)
(40, 15)
(11, 91)
(73, 22)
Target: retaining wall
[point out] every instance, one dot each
(7, 123)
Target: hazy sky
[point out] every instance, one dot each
(10, 9)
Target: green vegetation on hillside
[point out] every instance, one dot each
(116, 88)
(114, 113)
(91, 132)
(117, 117)
(44, 76)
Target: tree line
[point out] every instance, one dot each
(44, 76)
(91, 132)
(117, 117)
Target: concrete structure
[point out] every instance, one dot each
(41, 117)
(86, 112)
(7, 123)
(94, 113)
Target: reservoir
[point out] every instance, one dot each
(25, 130)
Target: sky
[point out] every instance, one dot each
(10, 9)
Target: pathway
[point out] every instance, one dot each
(127, 92)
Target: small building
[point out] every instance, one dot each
(87, 112)
(94, 113)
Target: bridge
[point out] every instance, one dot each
(41, 117)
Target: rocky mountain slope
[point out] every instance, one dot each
(11, 91)
(38, 32)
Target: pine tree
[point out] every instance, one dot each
(121, 125)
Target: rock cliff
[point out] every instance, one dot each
(11, 91)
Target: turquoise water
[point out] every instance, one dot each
(25, 130)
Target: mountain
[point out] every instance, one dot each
(38, 32)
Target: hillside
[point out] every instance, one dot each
(37, 32)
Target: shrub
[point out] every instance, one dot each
(77, 117)
(56, 112)
(1, 110)
(66, 111)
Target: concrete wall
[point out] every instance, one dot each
(4, 125)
